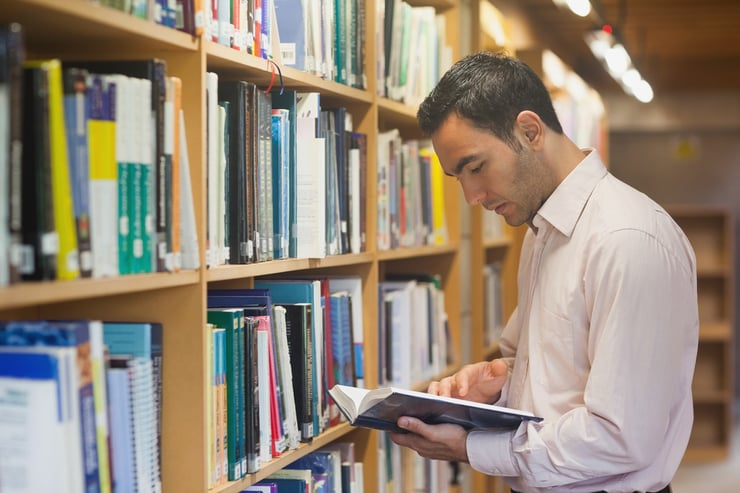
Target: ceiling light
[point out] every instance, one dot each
(579, 7)
(617, 62)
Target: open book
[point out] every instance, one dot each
(381, 408)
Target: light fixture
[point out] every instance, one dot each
(608, 49)
(617, 62)
(579, 7)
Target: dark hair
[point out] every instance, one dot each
(490, 90)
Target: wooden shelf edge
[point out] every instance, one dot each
(715, 331)
(413, 252)
(492, 243)
(93, 20)
(259, 269)
(27, 294)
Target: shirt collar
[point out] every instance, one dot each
(564, 206)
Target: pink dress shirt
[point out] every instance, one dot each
(602, 344)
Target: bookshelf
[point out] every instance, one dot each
(711, 232)
(79, 29)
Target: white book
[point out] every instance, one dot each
(212, 168)
(103, 182)
(355, 195)
(263, 377)
(290, 417)
(221, 205)
(35, 426)
(188, 229)
(310, 178)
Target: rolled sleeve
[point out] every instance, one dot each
(490, 452)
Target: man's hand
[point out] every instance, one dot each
(441, 442)
(479, 382)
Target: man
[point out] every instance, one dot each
(603, 342)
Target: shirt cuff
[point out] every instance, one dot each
(490, 452)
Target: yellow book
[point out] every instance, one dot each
(439, 222)
(103, 180)
(64, 220)
(100, 397)
(438, 233)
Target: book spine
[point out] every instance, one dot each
(15, 49)
(75, 114)
(64, 221)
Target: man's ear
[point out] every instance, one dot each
(531, 127)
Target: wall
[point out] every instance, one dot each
(681, 148)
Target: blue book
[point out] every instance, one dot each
(292, 22)
(287, 100)
(75, 120)
(140, 340)
(324, 464)
(121, 430)
(281, 181)
(261, 487)
(75, 337)
(341, 334)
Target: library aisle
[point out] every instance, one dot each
(712, 477)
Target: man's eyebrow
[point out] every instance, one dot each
(462, 162)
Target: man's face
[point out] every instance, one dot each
(514, 184)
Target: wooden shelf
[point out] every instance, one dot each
(38, 293)
(711, 233)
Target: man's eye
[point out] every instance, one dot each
(476, 170)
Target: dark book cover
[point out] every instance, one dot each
(12, 56)
(263, 166)
(39, 252)
(234, 94)
(250, 199)
(298, 322)
(251, 397)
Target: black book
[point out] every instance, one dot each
(12, 55)
(39, 258)
(234, 93)
(380, 409)
(298, 324)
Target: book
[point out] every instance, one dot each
(143, 341)
(188, 232)
(232, 320)
(63, 214)
(33, 388)
(12, 55)
(154, 70)
(75, 117)
(380, 409)
(121, 424)
(103, 175)
(39, 237)
(287, 100)
(263, 487)
(70, 340)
